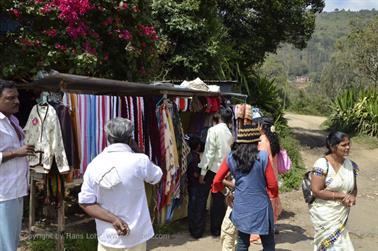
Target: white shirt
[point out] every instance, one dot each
(218, 144)
(14, 173)
(115, 180)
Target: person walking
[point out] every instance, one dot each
(14, 168)
(113, 191)
(334, 186)
(218, 144)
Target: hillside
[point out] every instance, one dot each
(330, 26)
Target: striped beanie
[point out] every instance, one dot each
(248, 134)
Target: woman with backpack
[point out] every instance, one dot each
(334, 187)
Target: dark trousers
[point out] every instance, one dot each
(195, 221)
(217, 207)
(267, 241)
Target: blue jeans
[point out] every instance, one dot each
(11, 220)
(267, 241)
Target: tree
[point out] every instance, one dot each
(103, 38)
(355, 61)
(191, 38)
(217, 37)
(365, 49)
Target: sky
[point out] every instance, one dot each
(353, 5)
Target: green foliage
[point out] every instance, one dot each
(264, 94)
(303, 101)
(355, 111)
(212, 39)
(191, 39)
(329, 28)
(113, 39)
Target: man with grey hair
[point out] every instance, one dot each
(113, 191)
(14, 168)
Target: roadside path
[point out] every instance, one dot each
(295, 227)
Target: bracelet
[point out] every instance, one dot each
(227, 192)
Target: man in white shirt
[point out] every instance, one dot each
(14, 168)
(113, 191)
(218, 144)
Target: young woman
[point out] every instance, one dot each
(252, 211)
(334, 186)
(269, 142)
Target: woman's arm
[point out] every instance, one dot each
(318, 189)
(219, 177)
(271, 181)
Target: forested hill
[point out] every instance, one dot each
(330, 26)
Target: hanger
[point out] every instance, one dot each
(43, 99)
(163, 98)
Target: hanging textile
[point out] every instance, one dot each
(44, 132)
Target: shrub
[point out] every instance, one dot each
(355, 111)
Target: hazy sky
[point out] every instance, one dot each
(353, 5)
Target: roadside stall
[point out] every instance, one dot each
(67, 130)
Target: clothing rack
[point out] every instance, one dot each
(56, 82)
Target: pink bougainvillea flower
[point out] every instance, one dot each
(107, 21)
(106, 56)
(148, 31)
(15, 12)
(71, 10)
(60, 47)
(37, 43)
(38, 1)
(51, 32)
(89, 49)
(77, 31)
(46, 8)
(26, 42)
(123, 6)
(125, 35)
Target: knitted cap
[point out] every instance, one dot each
(248, 134)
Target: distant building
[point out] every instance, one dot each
(302, 79)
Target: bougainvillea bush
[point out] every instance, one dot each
(103, 38)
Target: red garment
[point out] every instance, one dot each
(271, 181)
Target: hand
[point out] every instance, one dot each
(24, 150)
(121, 227)
(349, 200)
(201, 179)
(230, 200)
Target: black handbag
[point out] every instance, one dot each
(306, 186)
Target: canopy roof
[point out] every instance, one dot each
(99, 86)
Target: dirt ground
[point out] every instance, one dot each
(295, 227)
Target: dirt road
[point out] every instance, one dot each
(295, 227)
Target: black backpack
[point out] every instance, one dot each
(306, 186)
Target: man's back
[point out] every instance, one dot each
(116, 178)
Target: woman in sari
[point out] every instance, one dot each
(335, 189)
